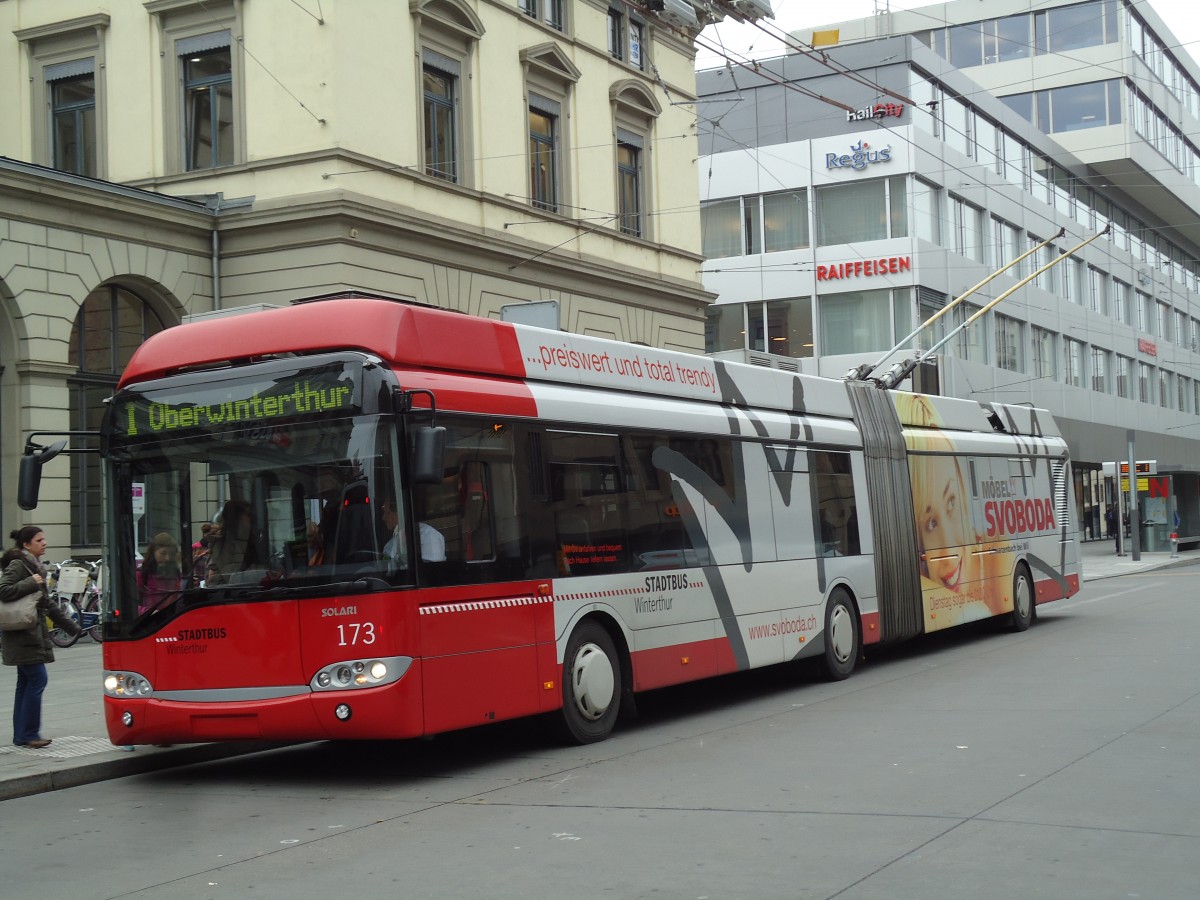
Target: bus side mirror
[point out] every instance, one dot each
(30, 476)
(429, 453)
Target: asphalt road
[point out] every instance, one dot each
(1058, 763)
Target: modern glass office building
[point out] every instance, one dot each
(850, 193)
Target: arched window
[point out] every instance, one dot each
(112, 323)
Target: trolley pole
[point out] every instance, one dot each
(1135, 520)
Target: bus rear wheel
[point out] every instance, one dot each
(843, 638)
(591, 685)
(1023, 598)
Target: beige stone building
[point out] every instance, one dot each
(165, 158)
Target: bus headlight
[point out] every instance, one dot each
(360, 673)
(126, 685)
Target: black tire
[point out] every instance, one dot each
(96, 633)
(591, 685)
(60, 638)
(843, 636)
(1022, 614)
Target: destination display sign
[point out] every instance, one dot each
(241, 403)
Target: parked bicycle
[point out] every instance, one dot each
(76, 587)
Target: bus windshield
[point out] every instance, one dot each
(312, 507)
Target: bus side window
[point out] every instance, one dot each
(474, 508)
(475, 513)
(587, 495)
(658, 538)
(837, 512)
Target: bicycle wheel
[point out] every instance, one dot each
(59, 637)
(96, 632)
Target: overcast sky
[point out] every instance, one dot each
(1181, 16)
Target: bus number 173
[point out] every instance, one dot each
(359, 633)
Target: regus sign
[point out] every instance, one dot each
(860, 156)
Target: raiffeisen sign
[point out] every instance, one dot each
(861, 156)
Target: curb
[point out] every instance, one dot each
(89, 773)
(1165, 564)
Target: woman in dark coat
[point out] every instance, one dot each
(29, 650)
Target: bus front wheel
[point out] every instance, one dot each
(1022, 614)
(591, 685)
(843, 641)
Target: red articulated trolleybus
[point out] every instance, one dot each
(420, 521)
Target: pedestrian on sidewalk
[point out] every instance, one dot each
(29, 650)
(1110, 522)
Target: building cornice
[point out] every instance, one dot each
(95, 22)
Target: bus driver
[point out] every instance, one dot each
(433, 545)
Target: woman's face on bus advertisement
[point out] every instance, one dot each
(940, 518)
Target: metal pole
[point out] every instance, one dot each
(1120, 511)
(1135, 520)
(1174, 517)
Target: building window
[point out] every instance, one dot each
(1098, 290)
(1145, 382)
(616, 32)
(1068, 28)
(957, 117)
(972, 341)
(927, 211)
(785, 220)
(721, 228)
(626, 35)
(112, 323)
(1145, 313)
(1100, 365)
(1164, 388)
(929, 304)
(1070, 108)
(1122, 293)
(549, 75)
(871, 210)
(1009, 344)
(449, 31)
(779, 327)
(207, 67)
(548, 11)
(1124, 376)
(543, 152)
(1164, 321)
(629, 183)
(747, 225)
(862, 321)
(1183, 392)
(634, 111)
(1042, 342)
(968, 229)
(1072, 362)
(73, 116)
(440, 118)
(982, 43)
(66, 82)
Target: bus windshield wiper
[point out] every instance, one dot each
(358, 586)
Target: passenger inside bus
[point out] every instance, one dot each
(159, 576)
(323, 533)
(238, 547)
